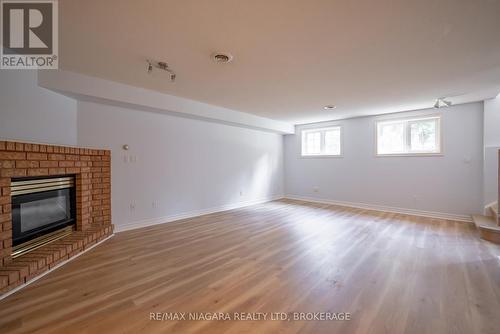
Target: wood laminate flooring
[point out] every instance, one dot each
(393, 273)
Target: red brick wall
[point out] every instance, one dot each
(91, 167)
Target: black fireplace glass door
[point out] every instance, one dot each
(40, 213)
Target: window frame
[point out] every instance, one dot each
(408, 120)
(322, 129)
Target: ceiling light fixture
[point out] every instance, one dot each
(162, 66)
(329, 107)
(441, 102)
(222, 57)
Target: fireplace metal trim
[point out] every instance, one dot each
(20, 187)
(27, 190)
(40, 241)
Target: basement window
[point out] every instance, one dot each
(409, 136)
(322, 142)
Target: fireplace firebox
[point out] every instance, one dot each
(43, 210)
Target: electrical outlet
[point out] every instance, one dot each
(316, 189)
(155, 204)
(132, 206)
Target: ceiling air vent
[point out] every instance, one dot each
(222, 57)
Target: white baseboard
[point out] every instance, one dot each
(16, 289)
(412, 212)
(196, 213)
(190, 214)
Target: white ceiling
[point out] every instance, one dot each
(292, 57)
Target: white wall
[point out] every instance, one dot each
(34, 114)
(490, 175)
(202, 166)
(491, 147)
(492, 122)
(450, 184)
(188, 166)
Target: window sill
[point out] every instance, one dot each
(410, 155)
(320, 156)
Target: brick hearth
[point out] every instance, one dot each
(92, 171)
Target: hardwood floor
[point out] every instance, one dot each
(393, 273)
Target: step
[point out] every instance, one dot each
(494, 211)
(488, 228)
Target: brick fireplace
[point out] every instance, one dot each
(91, 169)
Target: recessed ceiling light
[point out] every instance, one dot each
(329, 107)
(222, 57)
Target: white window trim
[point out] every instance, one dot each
(407, 118)
(322, 156)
